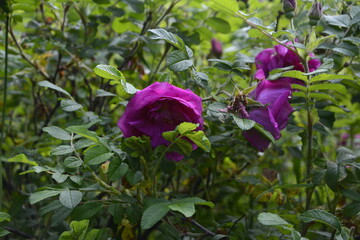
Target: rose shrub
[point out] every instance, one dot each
(273, 116)
(158, 108)
(280, 57)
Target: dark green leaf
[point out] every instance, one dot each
(41, 195)
(243, 123)
(70, 105)
(169, 37)
(70, 198)
(57, 132)
(321, 216)
(154, 214)
(54, 87)
(62, 150)
(117, 169)
(72, 162)
(177, 61)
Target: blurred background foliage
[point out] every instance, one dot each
(61, 42)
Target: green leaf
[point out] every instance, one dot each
(117, 169)
(295, 74)
(320, 216)
(57, 132)
(3, 232)
(200, 139)
(218, 24)
(162, 34)
(103, 93)
(62, 150)
(352, 209)
(108, 72)
(314, 44)
(322, 96)
(86, 211)
(338, 20)
(70, 198)
(54, 87)
(83, 131)
(326, 76)
(178, 61)
(347, 49)
(41, 195)
(351, 194)
(72, 162)
(60, 177)
(70, 105)
(185, 206)
(21, 158)
(186, 127)
(117, 211)
(97, 154)
(230, 6)
(243, 123)
(154, 214)
(4, 217)
(170, 135)
(329, 86)
(271, 219)
(79, 229)
(183, 147)
(263, 131)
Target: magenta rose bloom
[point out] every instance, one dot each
(216, 48)
(274, 115)
(158, 108)
(280, 57)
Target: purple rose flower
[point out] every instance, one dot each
(280, 57)
(158, 108)
(274, 115)
(216, 48)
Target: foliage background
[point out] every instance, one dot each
(61, 42)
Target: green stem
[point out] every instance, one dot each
(4, 99)
(309, 153)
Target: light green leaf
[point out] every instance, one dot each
(41, 195)
(70, 198)
(329, 86)
(4, 217)
(170, 135)
(21, 158)
(314, 44)
(154, 214)
(185, 206)
(70, 105)
(186, 127)
(326, 76)
(295, 74)
(230, 6)
(54, 87)
(271, 219)
(321, 216)
(243, 123)
(178, 61)
(103, 93)
(108, 72)
(200, 139)
(57, 132)
(162, 34)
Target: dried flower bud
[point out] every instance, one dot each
(216, 48)
(315, 13)
(289, 7)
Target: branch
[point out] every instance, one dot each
(204, 229)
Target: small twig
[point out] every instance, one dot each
(204, 229)
(18, 232)
(25, 57)
(236, 222)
